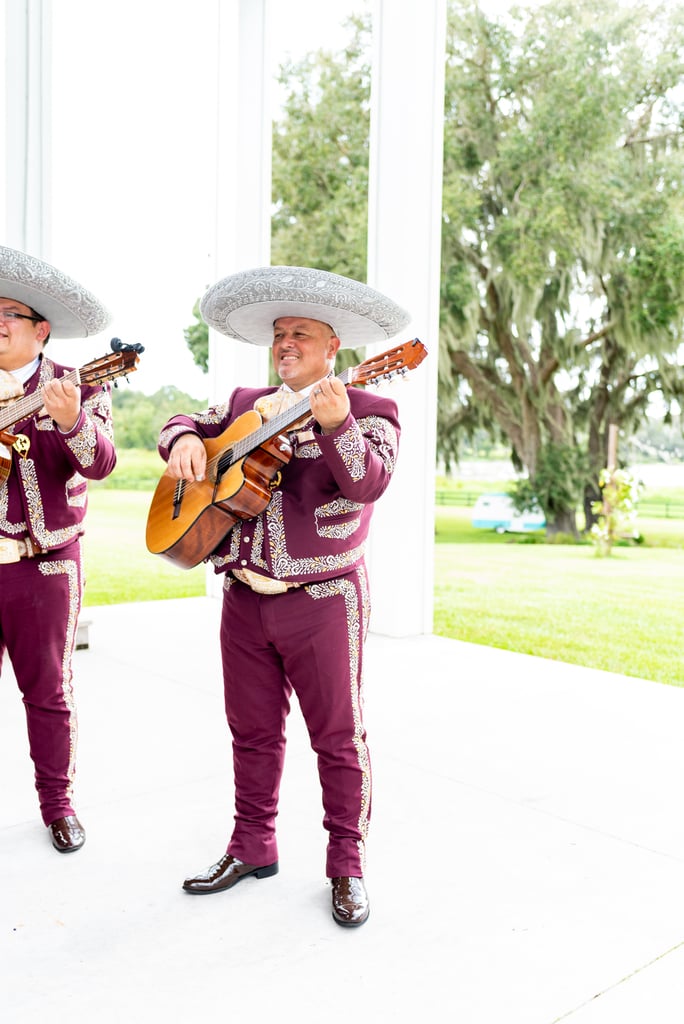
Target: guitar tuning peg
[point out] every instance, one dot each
(117, 345)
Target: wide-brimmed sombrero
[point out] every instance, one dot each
(72, 311)
(245, 305)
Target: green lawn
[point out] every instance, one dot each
(118, 566)
(621, 613)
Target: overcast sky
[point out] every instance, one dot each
(134, 93)
(132, 176)
(132, 169)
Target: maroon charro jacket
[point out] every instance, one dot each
(45, 495)
(316, 523)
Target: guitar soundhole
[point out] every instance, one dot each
(224, 463)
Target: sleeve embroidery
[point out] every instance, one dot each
(374, 431)
(84, 443)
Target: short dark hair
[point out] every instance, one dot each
(40, 319)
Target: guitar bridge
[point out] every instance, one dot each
(178, 493)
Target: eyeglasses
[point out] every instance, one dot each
(7, 316)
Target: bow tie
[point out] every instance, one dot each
(269, 406)
(10, 387)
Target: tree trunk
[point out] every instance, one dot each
(591, 494)
(564, 522)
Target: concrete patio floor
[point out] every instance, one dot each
(526, 857)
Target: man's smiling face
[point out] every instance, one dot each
(303, 350)
(21, 338)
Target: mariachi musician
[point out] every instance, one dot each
(57, 436)
(295, 594)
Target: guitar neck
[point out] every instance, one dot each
(279, 423)
(29, 404)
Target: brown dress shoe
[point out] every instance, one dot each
(226, 873)
(350, 906)
(67, 834)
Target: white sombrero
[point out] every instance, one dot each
(245, 305)
(72, 311)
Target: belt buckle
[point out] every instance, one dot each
(9, 551)
(260, 584)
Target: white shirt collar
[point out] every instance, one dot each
(304, 392)
(24, 372)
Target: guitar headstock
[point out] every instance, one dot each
(395, 361)
(118, 364)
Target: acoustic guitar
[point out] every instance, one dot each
(122, 361)
(187, 520)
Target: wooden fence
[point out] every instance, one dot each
(649, 509)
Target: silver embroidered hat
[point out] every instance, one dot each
(245, 305)
(73, 311)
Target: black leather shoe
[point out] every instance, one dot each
(225, 874)
(67, 834)
(350, 906)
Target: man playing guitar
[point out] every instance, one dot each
(61, 435)
(295, 598)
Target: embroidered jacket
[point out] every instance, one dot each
(316, 523)
(45, 495)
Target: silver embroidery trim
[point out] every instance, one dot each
(70, 568)
(5, 525)
(383, 439)
(284, 566)
(352, 450)
(77, 494)
(215, 414)
(356, 633)
(45, 538)
(334, 509)
(84, 443)
(167, 437)
(310, 450)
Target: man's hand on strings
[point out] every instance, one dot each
(62, 402)
(188, 458)
(329, 403)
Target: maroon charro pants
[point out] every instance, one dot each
(40, 601)
(309, 640)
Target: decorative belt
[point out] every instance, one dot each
(262, 584)
(12, 550)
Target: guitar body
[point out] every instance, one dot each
(5, 459)
(189, 519)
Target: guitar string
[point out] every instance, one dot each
(28, 404)
(245, 445)
(366, 372)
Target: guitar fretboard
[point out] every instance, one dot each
(271, 428)
(29, 404)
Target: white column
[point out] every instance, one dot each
(243, 183)
(404, 236)
(243, 176)
(4, 148)
(28, 69)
